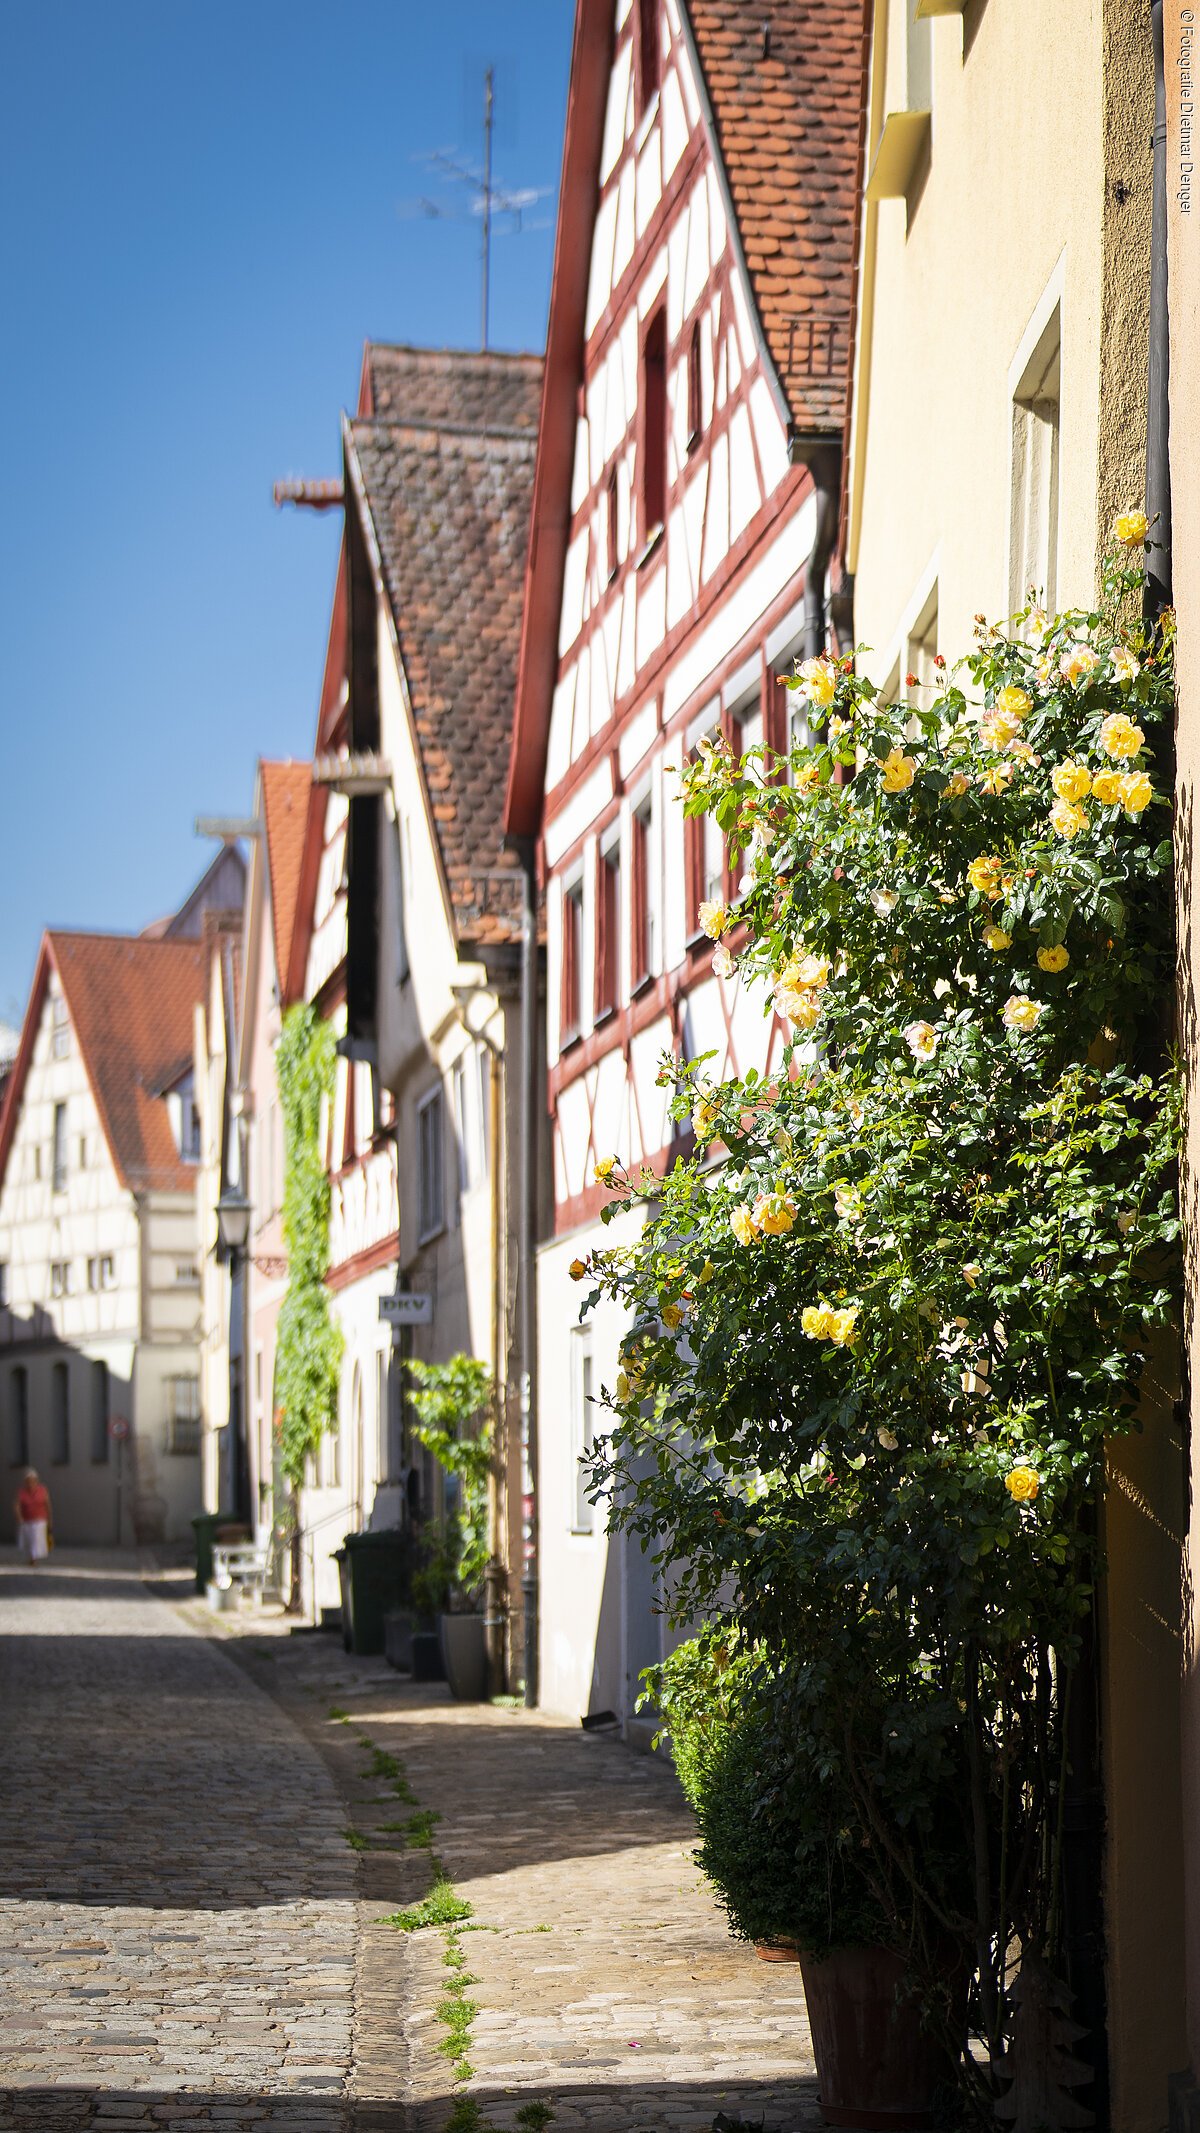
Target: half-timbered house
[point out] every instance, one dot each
(684, 515)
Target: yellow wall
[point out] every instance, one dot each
(1036, 187)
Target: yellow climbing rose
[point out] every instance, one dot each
(1067, 819)
(1106, 787)
(1021, 1013)
(713, 919)
(1053, 958)
(1119, 736)
(775, 1213)
(577, 1269)
(1131, 528)
(995, 938)
(898, 769)
(1022, 1484)
(742, 1225)
(1071, 780)
(605, 1168)
(1136, 792)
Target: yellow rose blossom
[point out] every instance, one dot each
(1106, 787)
(806, 778)
(1125, 666)
(775, 1213)
(997, 728)
(1131, 528)
(971, 1273)
(838, 726)
(843, 1326)
(995, 938)
(997, 779)
(1078, 664)
(1014, 702)
(713, 919)
(1021, 752)
(742, 1226)
(704, 1117)
(1021, 1013)
(723, 965)
(605, 1168)
(1119, 736)
(848, 1201)
(1053, 958)
(818, 682)
(672, 1317)
(883, 902)
(815, 1321)
(1022, 1484)
(922, 1039)
(898, 770)
(811, 970)
(984, 874)
(577, 1269)
(1071, 780)
(1045, 669)
(1136, 792)
(1067, 819)
(956, 785)
(706, 1274)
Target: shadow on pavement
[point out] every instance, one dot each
(655, 2107)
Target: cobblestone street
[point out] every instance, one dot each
(206, 1827)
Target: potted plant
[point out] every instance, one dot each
(777, 1842)
(453, 1403)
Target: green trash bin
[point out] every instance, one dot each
(206, 1528)
(376, 1576)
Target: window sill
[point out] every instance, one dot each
(424, 1237)
(604, 1014)
(642, 984)
(649, 547)
(583, 1533)
(569, 1041)
(928, 10)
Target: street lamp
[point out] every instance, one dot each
(233, 1235)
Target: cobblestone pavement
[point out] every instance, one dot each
(189, 1940)
(177, 1901)
(608, 1989)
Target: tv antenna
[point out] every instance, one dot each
(488, 199)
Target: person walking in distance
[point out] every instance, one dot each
(32, 1506)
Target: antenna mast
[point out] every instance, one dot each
(488, 100)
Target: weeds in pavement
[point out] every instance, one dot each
(356, 1840)
(534, 2116)
(442, 1907)
(342, 1717)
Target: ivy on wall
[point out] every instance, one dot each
(309, 1342)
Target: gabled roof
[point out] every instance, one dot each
(781, 85)
(285, 795)
(449, 386)
(131, 1002)
(446, 512)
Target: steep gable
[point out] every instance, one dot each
(286, 788)
(131, 1004)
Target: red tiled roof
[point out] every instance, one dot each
(783, 81)
(285, 791)
(452, 387)
(131, 1003)
(449, 513)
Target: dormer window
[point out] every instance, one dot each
(185, 1118)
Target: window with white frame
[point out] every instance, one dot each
(60, 1277)
(58, 1155)
(431, 1211)
(571, 972)
(183, 1414)
(583, 1512)
(1033, 512)
(469, 1114)
(609, 910)
(102, 1273)
(647, 893)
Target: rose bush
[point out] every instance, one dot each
(882, 1321)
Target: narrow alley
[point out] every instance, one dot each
(218, 1844)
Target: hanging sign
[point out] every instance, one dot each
(407, 1308)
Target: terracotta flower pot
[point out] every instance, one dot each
(777, 1951)
(876, 2066)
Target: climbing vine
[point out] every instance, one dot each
(309, 1345)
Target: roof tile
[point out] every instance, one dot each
(132, 1004)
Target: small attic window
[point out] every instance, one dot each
(60, 1027)
(185, 1118)
(649, 53)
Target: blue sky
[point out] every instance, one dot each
(204, 210)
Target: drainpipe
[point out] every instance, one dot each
(1158, 411)
(528, 1272)
(821, 454)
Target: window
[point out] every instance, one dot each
(649, 53)
(695, 399)
(100, 1402)
(18, 1416)
(60, 1043)
(706, 858)
(469, 1114)
(187, 1274)
(612, 522)
(572, 952)
(183, 1414)
(583, 1513)
(58, 1168)
(83, 1151)
(430, 1198)
(101, 1272)
(608, 929)
(748, 732)
(189, 1121)
(645, 913)
(60, 1416)
(654, 427)
(1033, 520)
(60, 1277)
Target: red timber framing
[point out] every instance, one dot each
(673, 509)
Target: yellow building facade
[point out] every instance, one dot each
(998, 424)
